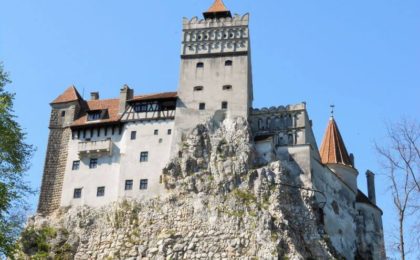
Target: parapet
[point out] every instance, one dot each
(196, 23)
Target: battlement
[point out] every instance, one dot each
(215, 36)
(196, 23)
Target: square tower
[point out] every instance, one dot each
(215, 77)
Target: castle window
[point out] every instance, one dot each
(227, 87)
(77, 193)
(94, 115)
(128, 185)
(93, 163)
(140, 107)
(75, 166)
(224, 105)
(260, 124)
(133, 135)
(198, 88)
(202, 106)
(169, 131)
(228, 63)
(63, 113)
(144, 156)
(156, 132)
(268, 123)
(290, 138)
(321, 216)
(143, 184)
(200, 65)
(160, 140)
(100, 192)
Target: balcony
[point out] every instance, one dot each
(91, 148)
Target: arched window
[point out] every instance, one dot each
(268, 123)
(228, 63)
(198, 88)
(200, 65)
(227, 87)
(260, 124)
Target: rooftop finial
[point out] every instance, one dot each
(332, 111)
(217, 10)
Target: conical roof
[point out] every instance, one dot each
(333, 149)
(69, 95)
(217, 10)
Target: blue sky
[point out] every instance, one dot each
(363, 56)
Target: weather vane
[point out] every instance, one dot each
(332, 110)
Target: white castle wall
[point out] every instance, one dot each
(158, 148)
(123, 164)
(106, 174)
(339, 210)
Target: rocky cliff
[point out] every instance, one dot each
(218, 206)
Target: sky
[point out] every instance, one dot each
(362, 56)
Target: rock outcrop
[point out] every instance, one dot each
(217, 207)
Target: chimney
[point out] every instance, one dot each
(370, 176)
(94, 95)
(126, 93)
(352, 160)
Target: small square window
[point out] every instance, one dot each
(200, 65)
(100, 192)
(224, 105)
(63, 113)
(133, 135)
(202, 106)
(169, 131)
(143, 184)
(227, 87)
(128, 184)
(198, 88)
(156, 132)
(228, 63)
(75, 166)
(93, 163)
(77, 194)
(144, 156)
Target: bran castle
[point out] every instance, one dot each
(103, 150)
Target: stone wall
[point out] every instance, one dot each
(55, 165)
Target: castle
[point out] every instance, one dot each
(103, 150)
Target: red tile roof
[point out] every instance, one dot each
(333, 149)
(163, 95)
(70, 94)
(112, 107)
(218, 6)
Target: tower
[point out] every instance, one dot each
(334, 154)
(215, 73)
(64, 109)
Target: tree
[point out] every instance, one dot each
(400, 157)
(15, 155)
